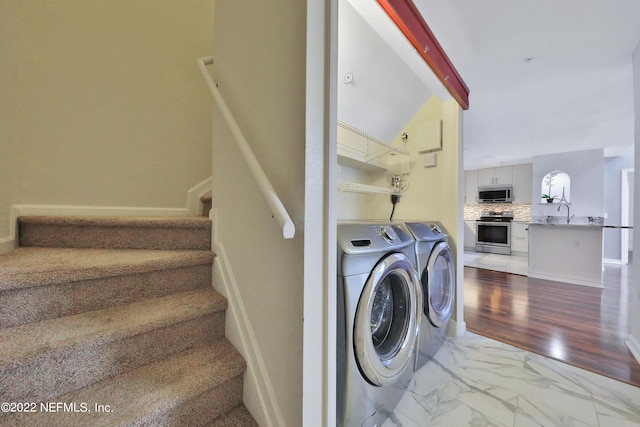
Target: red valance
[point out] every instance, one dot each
(409, 20)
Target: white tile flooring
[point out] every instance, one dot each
(475, 381)
(516, 264)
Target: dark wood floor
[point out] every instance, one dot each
(583, 326)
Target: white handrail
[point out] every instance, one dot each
(277, 208)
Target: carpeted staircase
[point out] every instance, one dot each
(113, 322)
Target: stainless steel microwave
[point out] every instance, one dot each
(495, 194)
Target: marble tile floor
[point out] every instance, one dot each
(475, 381)
(515, 264)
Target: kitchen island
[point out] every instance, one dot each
(566, 252)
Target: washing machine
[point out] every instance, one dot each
(436, 268)
(379, 306)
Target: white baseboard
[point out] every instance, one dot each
(10, 242)
(456, 329)
(259, 395)
(195, 193)
(7, 244)
(634, 346)
(70, 210)
(564, 279)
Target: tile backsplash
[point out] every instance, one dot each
(521, 212)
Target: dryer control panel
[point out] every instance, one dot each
(388, 234)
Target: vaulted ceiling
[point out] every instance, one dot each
(545, 76)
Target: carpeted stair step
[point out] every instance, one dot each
(44, 283)
(192, 233)
(191, 388)
(49, 358)
(237, 417)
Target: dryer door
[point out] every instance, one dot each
(441, 285)
(387, 319)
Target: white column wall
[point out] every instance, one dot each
(634, 338)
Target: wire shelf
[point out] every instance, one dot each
(354, 187)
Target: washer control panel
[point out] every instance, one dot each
(388, 234)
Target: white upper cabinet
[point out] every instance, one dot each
(519, 176)
(495, 176)
(471, 186)
(522, 183)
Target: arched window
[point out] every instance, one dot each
(555, 187)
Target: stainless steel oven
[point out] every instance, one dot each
(493, 232)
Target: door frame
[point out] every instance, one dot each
(625, 218)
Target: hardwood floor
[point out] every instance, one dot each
(583, 326)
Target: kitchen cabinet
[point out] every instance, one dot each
(470, 235)
(495, 176)
(471, 187)
(519, 176)
(522, 183)
(519, 237)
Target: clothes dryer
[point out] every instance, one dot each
(436, 268)
(379, 306)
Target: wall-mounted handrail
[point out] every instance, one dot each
(275, 204)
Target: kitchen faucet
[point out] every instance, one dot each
(568, 210)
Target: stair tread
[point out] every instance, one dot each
(32, 266)
(24, 342)
(182, 232)
(161, 360)
(150, 390)
(238, 416)
(119, 221)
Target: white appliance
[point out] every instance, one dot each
(379, 306)
(436, 268)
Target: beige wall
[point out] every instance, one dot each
(102, 103)
(431, 193)
(10, 111)
(259, 65)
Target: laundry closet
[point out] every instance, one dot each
(400, 214)
(420, 166)
(398, 127)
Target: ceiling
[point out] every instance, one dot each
(544, 76)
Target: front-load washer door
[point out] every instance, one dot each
(387, 320)
(439, 275)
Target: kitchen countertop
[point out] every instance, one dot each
(580, 221)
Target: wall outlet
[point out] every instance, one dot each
(395, 182)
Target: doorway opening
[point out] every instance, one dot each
(626, 216)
